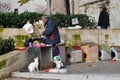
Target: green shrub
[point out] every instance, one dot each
(6, 45)
(32, 16)
(12, 20)
(85, 21)
(60, 19)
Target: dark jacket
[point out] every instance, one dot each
(103, 19)
(51, 32)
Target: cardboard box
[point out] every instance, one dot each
(90, 53)
(76, 56)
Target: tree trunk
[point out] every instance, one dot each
(58, 6)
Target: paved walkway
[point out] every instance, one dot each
(98, 67)
(105, 70)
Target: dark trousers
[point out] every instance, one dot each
(104, 27)
(55, 51)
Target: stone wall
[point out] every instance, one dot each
(115, 13)
(58, 6)
(92, 35)
(12, 61)
(31, 6)
(91, 8)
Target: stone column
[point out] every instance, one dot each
(76, 7)
(58, 6)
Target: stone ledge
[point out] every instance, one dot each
(91, 35)
(12, 61)
(85, 76)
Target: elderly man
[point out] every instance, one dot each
(51, 31)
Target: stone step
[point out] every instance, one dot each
(79, 76)
(34, 75)
(20, 79)
(25, 79)
(105, 70)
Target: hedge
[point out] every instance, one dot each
(6, 45)
(11, 20)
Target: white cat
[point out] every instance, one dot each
(57, 61)
(34, 65)
(59, 64)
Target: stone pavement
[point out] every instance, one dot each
(103, 70)
(97, 67)
(25, 79)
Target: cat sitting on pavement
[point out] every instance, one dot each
(33, 66)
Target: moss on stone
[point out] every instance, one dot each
(4, 75)
(19, 40)
(2, 64)
(1, 30)
(76, 40)
(106, 36)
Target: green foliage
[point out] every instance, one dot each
(6, 45)
(85, 21)
(1, 26)
(32, 16)
(60, 19)
(12, 20)
(23, 2)
(2, 19)
(19, 40)
(2, 64)
(1, 30)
